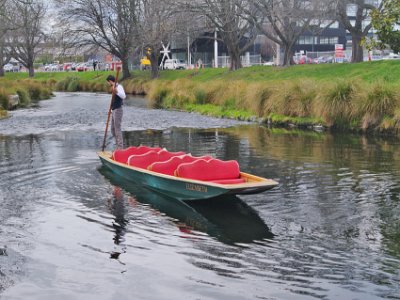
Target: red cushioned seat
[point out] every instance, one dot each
(143, 160)
(205, 157)
(213, 169)
(164, 155)
(168, 167)
(122, 155)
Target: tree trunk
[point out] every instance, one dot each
(357, 53)
(1, 71)
(31, 71)
(288, 56)
(236, 63)
(155, 73)
(125, 70)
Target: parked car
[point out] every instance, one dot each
(269, 63)
(11, 67)
(67, 67)
(325, 59)
(81, 67)
(174, 64)
(304, 60)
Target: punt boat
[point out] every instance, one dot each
(182, 176)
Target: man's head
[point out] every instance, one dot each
(110, 78)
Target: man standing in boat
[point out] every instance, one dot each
(116, 110)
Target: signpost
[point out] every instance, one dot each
(339, 54)
(165, 51)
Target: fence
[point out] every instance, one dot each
(346, 55)
(247, 60)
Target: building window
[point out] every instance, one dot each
(334, 40)
(306, 40)
(328, 40)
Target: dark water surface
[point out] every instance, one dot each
(70, 229)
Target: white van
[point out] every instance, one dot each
(174, 64)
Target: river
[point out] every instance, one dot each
(70, 229)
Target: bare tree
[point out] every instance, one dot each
(108, 24)
(158, 22)
(4, 29)
(234, 28)
(354, 15)
(27, 17)
(283, 21)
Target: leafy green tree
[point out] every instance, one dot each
(386, 23)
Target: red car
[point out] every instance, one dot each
(81, 68)
(304, 60)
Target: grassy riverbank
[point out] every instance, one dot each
(360, 96)
(28, 91)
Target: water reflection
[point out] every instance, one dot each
(116, 205)
(228, 219)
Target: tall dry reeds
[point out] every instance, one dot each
(3, 99)
(379, 105)
(336, 103)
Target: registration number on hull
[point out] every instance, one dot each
(196, 187)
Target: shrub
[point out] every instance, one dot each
(157, 95)
(256, 97)
(3, 113)
(336, 103)
(381, 101)
(3, 99)
(200, 96)
(73, 84)
(24, 98)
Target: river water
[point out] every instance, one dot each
(70, 229)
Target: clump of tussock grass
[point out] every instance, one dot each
(4, 102)
(380, 102)
(229, 104)
(235, 95)
(24, 98)
(37, 91)
(180, 94)
(73, 85)
(51, 83)
(157, 95)
(212, 91)
(3, 113)
(68, 84)
(294, 99)
(135, 86)
(200, 96)
(256, 98)
(336, 104)
(85, 86)
(100, 87)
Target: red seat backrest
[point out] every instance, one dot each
(164, 155)
(205, 157)
(213, 169)
(122, 155)
(168, 167)
(143, 160)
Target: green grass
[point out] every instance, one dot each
(353, 96)
(298, 121)
(387, 71)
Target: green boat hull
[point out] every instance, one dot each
(179, 188)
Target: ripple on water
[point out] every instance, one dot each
(328, 231)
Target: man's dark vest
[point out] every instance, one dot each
(117, 103)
